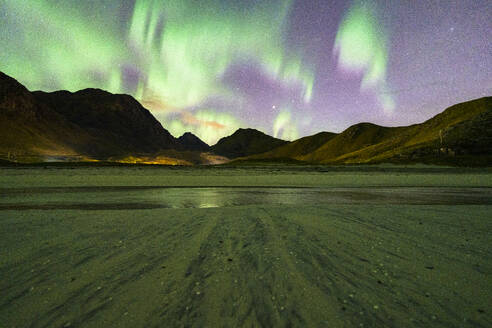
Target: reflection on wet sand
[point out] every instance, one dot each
(127, 198)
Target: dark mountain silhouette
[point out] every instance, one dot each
(89, 123)
(461, 134)
(118, 124)
(191, 142)
(245, 142)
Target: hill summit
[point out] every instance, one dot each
(245, 142)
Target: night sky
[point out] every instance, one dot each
(288, 68)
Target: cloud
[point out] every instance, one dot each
(190, 119)
(207, 124)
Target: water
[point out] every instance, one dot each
(127, 198)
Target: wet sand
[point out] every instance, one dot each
(368, 262)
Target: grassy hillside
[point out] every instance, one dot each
(460, 134)
(296, 149)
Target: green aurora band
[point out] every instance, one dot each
(56, 51)
(361, 46)
(284, 127)
(181, 49)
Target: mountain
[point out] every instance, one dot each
(245, 142)
(95, 124)
(459, 135)
(191, 142)
(90, 123)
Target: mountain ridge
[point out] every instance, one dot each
(93, 124)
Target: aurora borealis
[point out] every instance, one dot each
(361, 46)
(287, 67)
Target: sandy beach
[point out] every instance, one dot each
(245, 247)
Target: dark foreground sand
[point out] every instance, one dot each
(265, 265)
